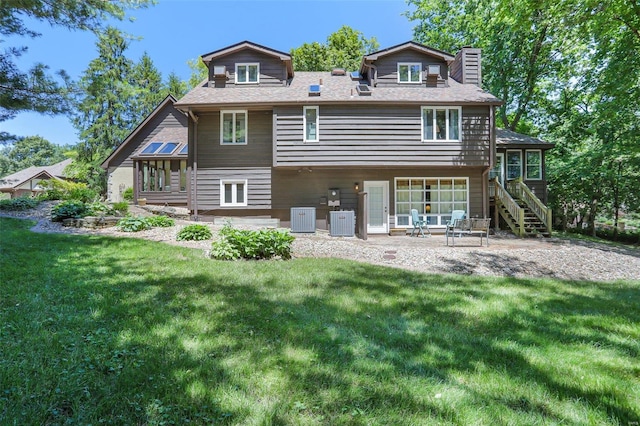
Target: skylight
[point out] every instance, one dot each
(314, 90)
(152, 148)
(184, 150)
(168, 148)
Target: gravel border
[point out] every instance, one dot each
(506, 256)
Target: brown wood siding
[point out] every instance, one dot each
(378, 136)
(388, 67)
(256, 153)
(467, 67)
(272, 70)
(305, 189)
(258, 187)
(167, 117)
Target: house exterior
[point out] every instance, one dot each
(412, 128)
(152, 159)
(26, 183)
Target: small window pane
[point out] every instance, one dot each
(228, 193)
(453, 124)
(240, 193)
(242, 74)
(168, 148)
(184, 150)
(427, 119)
(441, 124)
(415, 73)
(241, 128)
(227, 127)
(311, 120)
(183, 175)
(404, 72)
(253, 73)
(402, 184)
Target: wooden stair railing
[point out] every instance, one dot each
(512, 213)
(522, 191)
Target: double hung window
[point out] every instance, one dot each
(514, 164)
(233, 127)
(441, 124)
(534, 164)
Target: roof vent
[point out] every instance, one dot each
(220, 71)
(363, 90)
(433, 70)
(314, 90)
(338, 71)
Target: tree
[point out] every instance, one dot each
(146, 82)
(343, 49)
(199, 72)
(27, 152)
(35, 89)
(104, 114)
(175, 86)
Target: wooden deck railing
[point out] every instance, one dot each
(517, 213)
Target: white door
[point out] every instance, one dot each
(378, 206)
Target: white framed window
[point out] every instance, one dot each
(311, 129)
(409, 72)
(233, 193)
(441, 124)
(534, 164)
(233, 127)
(434, 198)
(248, 73)
(514, 164)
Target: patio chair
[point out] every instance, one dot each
(456, 215)
(418, 224)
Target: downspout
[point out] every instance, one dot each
(195, 164)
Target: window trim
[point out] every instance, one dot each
(439, 217)
(247, 65)
(304, 124)
(434, 109)
(410, 64)
(246, 126)
(506, 164)
(234, 191)
(526, 170)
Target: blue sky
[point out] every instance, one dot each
(175, 31)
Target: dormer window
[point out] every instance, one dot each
(409, 72)
(247, 73)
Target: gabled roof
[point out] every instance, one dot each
(169, 100)
(284, 57)
(16, 179)
(410, 45)
(508, 138)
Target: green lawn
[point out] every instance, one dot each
(98, 330)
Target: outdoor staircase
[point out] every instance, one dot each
(523, 212)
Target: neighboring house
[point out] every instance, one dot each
(152, 159)
(27, 182)
(412, 128)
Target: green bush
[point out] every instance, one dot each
(133, 224)
(99, 209)
(65, 190)
(121, 207)
(194, 232)
(626, 236)
(19, 204)
(264, 244)
(127, 195)
(160, 221)
(71, 209)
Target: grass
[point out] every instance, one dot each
(101, 330)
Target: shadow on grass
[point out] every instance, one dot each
(130, 331)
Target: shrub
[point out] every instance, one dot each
(194, 232)
(19, 204)
(160, 221)
(133, 224)
(71, 209)
(99, 209)
(264, 244)
(127, 195)
(65, 190)
(121, 207)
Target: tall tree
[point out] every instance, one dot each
(27, 152)
(343, 49)
(175, 86)
(35, 89)
(147, 85)
(104, 115)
